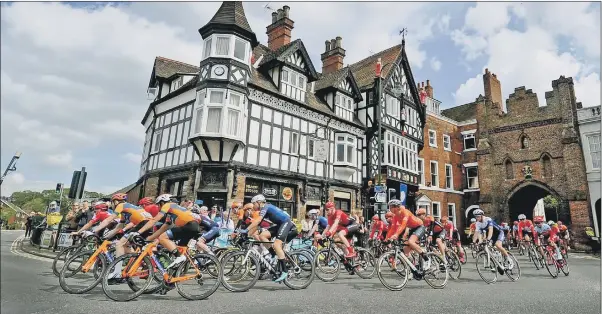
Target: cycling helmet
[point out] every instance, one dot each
(375, 217)
(537, 219)
(119, 197)
(516, 223)
(163, 198)
(504, 224)
(389, 215)
(236, 205)
(258, 198)
(101, 206)
(195, 209)
(551, 223)
(329, 205)
(473, 220)
(478, 212)
(522, 217)
(394, 202)
(145, 201)
(312, 212)
(430, 218)
(444, 219)
(420, 211)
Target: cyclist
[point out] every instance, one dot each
(402, 219)
(549, 235)
(453, 236)
(210, 227)
(185, 227)
(436, 232)
(320, 223)
(525, 226)
(134, 218)
(101, 213)
(282, 225)
(564, 234)
(377, 229)
(342, 226)
(493, 231)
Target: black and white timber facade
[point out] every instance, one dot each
(260, 119)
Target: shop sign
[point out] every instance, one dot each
(251, 188)
(287, 194)
(270, 192)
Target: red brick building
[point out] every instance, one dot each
(525, 152)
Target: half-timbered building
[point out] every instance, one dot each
(254, 118)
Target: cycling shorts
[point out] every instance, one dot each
(211, 234)
(437, 235)
(497, 235)
(351, 230)
(418, 231)
(281, 231)
(527, 233)
(456, 236)
(185, 233)
(139, 226)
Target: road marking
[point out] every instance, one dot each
(15, 249)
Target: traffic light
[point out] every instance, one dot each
(59, 186)
(74, 183)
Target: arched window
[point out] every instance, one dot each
(509, 170)
(524, 142)
(547, 166)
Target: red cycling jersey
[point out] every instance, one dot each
(526, 224)
(449, 230)
(152, 209)
(343, 218)
(435, 227)
(99, 216)
(380, 227)
(473, 226)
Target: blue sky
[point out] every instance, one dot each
(74, 75)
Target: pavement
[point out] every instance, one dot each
(29, 286)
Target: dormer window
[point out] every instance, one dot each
(177, 83)
(227, 46)
(344, 106)
(292, 84)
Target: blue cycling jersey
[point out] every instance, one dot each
(542, 228)
(274, 214)
(486, 223)
(206, 223)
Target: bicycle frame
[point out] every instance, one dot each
(131, 270)
(488, 250)
(103, 248)
(399, 252)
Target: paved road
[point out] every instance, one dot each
(28, 286)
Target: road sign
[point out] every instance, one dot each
(380, 197)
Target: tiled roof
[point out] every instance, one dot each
(364, 70)
(283, 52)
(461, 113)
(331, 79)
(165, 67)
(124, 190)
(231, 13)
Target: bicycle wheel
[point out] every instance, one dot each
(534, 257)
(143, 271)
(465, 249)
(514, 272)
(486, 266)
(473, 251)
(157, 284)
(389, 268)
(436, 275)
(203, 285)
(236, 267)
(59, 259)
(550, 264)
(327, 265)
(364, 263)
(564, 266)
(74, 280)
(454, 267)
(300, 266)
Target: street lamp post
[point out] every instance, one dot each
(11, 166)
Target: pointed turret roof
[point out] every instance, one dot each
(230, 16)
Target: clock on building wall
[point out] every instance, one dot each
(219, 71)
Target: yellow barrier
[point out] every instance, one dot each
(53, 219)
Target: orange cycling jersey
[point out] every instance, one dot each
(132, 213)
(404, 219)
(177, 214)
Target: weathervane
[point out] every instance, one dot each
(403, 33)
(267, 7)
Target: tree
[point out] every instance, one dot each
(38, 201)
(552, 204)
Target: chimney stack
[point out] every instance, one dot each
(493, 91)
(332, 58)
(279, 32)
(429, 89)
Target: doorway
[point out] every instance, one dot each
(210, 199)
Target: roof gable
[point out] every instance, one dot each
(165, 68)
(230, 16)
(423, 198)
(343, 80)
(294, 55)
(364, 70)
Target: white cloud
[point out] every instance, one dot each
(135, 158)
(60, 160)
(487, 17)
(16, 181)
(530, 58)
(435, 64)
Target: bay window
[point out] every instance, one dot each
(220, 114)
(227, 46)
(345, 149)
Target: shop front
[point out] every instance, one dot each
(278, 194)
(405, 185)
(313, 197)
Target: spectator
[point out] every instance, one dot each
(213, 212)
(228, 224)
(362, 232)
(85, 214)
(28, 224)
(71, 218)
(306, 225)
